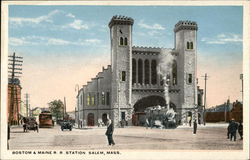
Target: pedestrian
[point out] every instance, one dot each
(240, 130)
(25, 127)
(228, 130)
(195, 127)
(233, 129)
(8, 136)
(109, 132)
(36, 127)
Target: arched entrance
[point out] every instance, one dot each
(104, 118)
(91, 119)
(138, 118)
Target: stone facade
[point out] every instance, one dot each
(132, 81)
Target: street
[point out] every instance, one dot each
(181, 138)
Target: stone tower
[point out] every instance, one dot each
(185, 45)
(121, 62)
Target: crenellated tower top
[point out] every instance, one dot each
(122, 20)
(186, 25)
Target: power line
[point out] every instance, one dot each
(205, 98)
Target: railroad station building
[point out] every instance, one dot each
(122, 90)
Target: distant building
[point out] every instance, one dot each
(225, 112)
(14, 102)
(131, 83)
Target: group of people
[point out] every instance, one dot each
(232, 130)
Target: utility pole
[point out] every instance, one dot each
(15, 70)
(205, 98)
(241, 77)
(27, 104)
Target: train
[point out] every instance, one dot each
(161, 117)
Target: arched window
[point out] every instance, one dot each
(140, 71)
(88, 99)
(133, 71)
(191, 45)
(146, 71)
(187, 45)
(174, 73)
(125, 41)
(153, 72)
(121, 41)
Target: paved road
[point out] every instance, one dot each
(207, 138)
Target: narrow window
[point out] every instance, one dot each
(125, 41)
(140, 71)
(153, 72)
(187, 45)
(123, 76)
(189, 79)
(93, 100)
(191, 45)
(107, 98)
(174, 73)
(88, 100)
(121, 41)
(146, 71)
(133, 71)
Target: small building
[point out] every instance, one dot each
(225, 112)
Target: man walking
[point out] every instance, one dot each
(195, 127)
(109, 132)
(229, 129)
(233, 128)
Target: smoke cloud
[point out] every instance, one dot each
(164, 69)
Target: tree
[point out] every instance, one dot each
(56, 107)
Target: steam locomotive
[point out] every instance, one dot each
(161, 117)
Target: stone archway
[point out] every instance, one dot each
(91, 119)
(138, 118)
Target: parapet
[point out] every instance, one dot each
(122, 20)
(185, 25)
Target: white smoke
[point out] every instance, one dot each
(164, 68)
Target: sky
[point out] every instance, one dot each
(65, 46)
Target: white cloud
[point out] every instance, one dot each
(155, 26)
(39, 40)
(37, 20)
(70, 15)
(20, 41)
(223, 39)
(78, 25)
(55, 41)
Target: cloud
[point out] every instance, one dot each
(223, 39)
(155, 26)
(78, 25)
(70, 15)
(22, 21)
(55, 41)
(39, 40)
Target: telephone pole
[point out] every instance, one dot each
(27, 104)
(205, 98)
(241, 77)
(15, 70)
